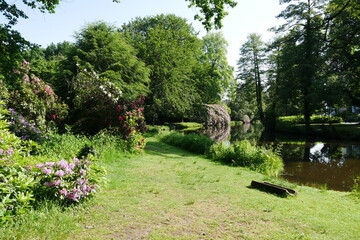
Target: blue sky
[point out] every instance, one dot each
(248, 17)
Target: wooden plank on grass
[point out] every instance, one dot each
(273, 188)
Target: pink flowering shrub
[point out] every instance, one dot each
(36, 101)
(69, 181)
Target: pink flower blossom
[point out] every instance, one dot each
(76, 160)
(71, 166)
(62, 164)
(40, 165)
(57, 182)
(47, 171)
(49, 184)
(10, 151)
(73, 196)
(50, 164)
(63, 191)
(82, 172)
(60, 173)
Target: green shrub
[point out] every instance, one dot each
(244, 154)
(156, 130)
(16, 191)
(315, 119)
(195, 143)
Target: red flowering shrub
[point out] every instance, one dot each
(131, 123)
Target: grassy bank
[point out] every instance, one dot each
(167, 193)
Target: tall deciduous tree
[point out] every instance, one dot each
(250, 68)
(213, 11)
(305, 21)
(343, 41)
(169, 46)
(213, 73)
(102, 48)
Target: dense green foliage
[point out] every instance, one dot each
(247, 99)
(246, 155)
(291, 120)
(240, 153)
(168, 45)
(213, 73)
(309, 68)
(195, 143)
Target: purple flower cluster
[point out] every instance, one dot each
(69, 178)
(22, 128)
(6, 154)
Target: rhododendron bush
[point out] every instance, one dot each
(99, 104)
(33, 103)
(66, 180)
(33, 165)
(23, 183)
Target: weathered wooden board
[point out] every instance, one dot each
(273, 188)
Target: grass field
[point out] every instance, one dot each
(167, 193)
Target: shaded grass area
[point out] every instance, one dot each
(168, 193)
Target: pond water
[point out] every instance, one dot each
(329, 164)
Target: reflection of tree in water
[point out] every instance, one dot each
(246, 132)
(220, 133)
(322, 163)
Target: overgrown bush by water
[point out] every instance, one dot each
(240, 153)
(195, 143)
(243, 154)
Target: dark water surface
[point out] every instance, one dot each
(329, 164)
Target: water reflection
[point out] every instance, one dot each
(334, 164)
(217, 133)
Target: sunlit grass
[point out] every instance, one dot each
(167, 193)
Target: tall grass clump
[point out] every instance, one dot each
(69, 145)
(243, 154)
(195, 143)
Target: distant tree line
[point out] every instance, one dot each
(313, 64)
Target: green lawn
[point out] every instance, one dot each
(167, 193)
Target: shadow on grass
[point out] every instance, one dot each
(280, 195)
(163, 149)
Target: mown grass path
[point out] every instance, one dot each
(167, 193)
